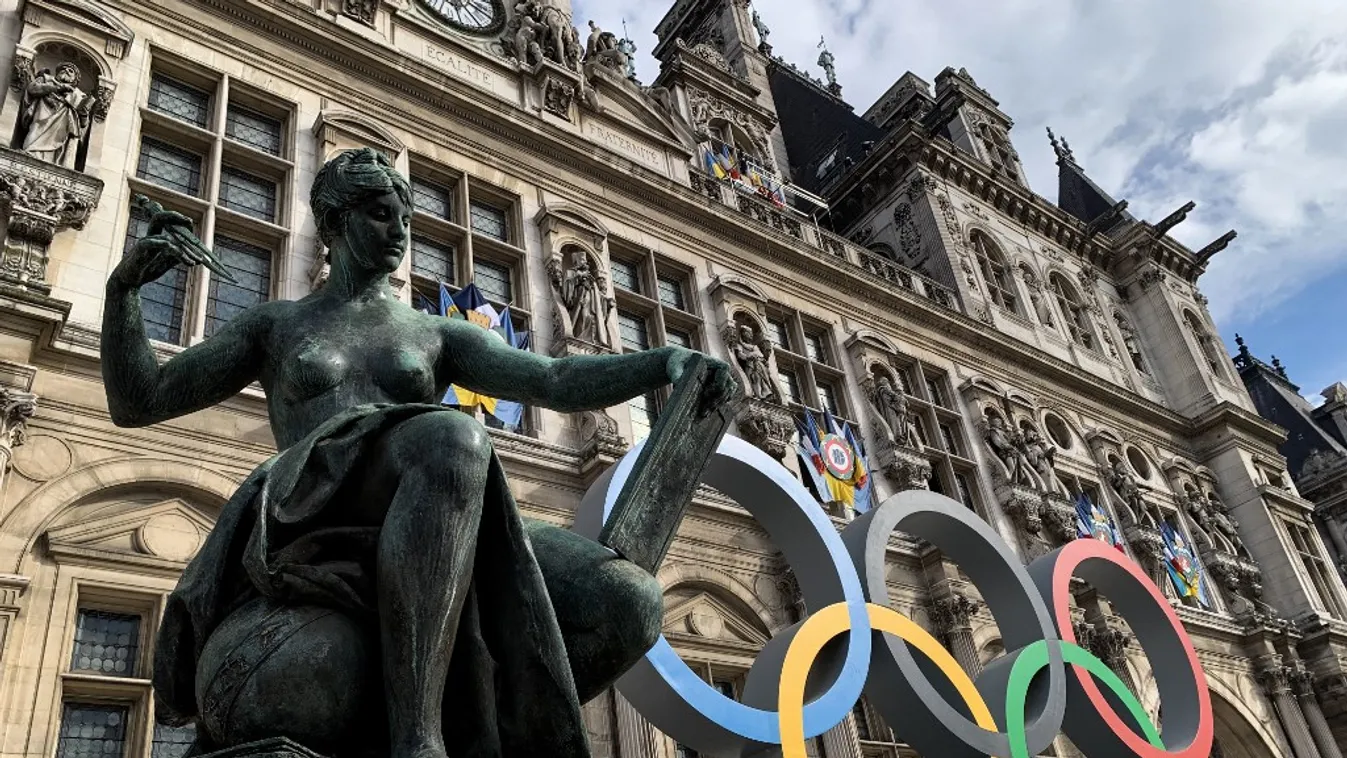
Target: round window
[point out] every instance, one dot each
(1058, 431)
(1139, 463)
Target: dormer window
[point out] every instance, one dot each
(996, 145)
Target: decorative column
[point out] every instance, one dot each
(40, 199)
(16, 407)
(1302, 683)
(1108, 645)
(636, 737)
(952, 616)
(843, 740)
(1275, 679)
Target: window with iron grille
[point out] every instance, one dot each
(951, 442)
(92, 730)
(105, 643)
(625, 276)
(494, 280)
(433, 260)
(790, 385)
(644, 414)
(778, 333)
(813, 346)
(827, 398)
(162, 301)
(172, 741)
(247, 194)
(634, 330)
(253, 129)
(433, 199)
(678, 338)
(169, 166)
(671, 293)
(934, 387)
(250, 265)
(181, 101)
(490, 221)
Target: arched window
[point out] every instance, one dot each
(994, 271)
(1073, 310)
(884, 251)
(1215, 356)
(997, 146)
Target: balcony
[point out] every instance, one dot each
(817, 240)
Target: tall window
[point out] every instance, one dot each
(939, 425)
(1073, 310)
(804, 363)
(1000, 285)
(996, 144)
(656, 307)
(1215, 356)
(1315, 567)
(216, 151)
(105, 709)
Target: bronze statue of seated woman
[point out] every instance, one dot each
(372, 588)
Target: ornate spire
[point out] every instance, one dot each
(1062, 149)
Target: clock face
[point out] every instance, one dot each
(476, 16)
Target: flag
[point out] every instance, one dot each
(424, 305)
(811, 461)
(1182, 566)
(471, 305)
(728, 162)
(1093, 523)
(843, 472)
(865, 489)
(712, 165)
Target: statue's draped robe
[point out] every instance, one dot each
(586, 305)
(510, 690)
(49, 121)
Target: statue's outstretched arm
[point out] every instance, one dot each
(142, 392)
(479, 361)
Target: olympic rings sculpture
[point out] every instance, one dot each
(800, 686)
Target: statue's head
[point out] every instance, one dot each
(746, 332)
(579, 259)
(593, 27)
(363, 207)
(883, 382)
(68, 73)
(996, 422)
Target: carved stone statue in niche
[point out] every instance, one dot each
(1005, 446)
(56, 115)
(583, 304)
(1214, 518)
(1040, 456)
(1125, 483)
(1130, 343)
(752, 353)
(892, 415)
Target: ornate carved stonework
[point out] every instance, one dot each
(581, 301)
(1022, 503)
(360, 10)
(16, 407)
(908, 469)
(909, 236)
(953, 613)
(601, 442)
(706, 106)
(767, 426)
(41, 199)
(558, 95)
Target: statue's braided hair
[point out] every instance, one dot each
(349, 179)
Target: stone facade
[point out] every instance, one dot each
(1043, 351)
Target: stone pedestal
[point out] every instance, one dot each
(560, 89)
(1022, 503)
(565, 347)
(906, 468)
(1149, 546)
(601, 444)
(39, 199)
(1059, 518)
(767, 426)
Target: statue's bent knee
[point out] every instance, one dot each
(300, 672)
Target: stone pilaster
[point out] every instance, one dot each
(12, 587)
(636, 737)
(1302, 684)
(1276, 681)
(952, 617)
(843, 741)
(16, 407)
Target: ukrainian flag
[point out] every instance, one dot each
(472, 306)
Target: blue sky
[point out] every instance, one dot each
(1238, 105)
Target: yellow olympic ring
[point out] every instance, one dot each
(829, 623)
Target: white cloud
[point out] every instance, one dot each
(1241, 107)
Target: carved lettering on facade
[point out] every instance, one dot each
(625, 145)
(466, 70)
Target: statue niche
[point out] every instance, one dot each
(58, 107)
(901, 451)
(751, 352)
(580, 294)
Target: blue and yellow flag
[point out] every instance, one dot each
(472, 306)
(1182, 565)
